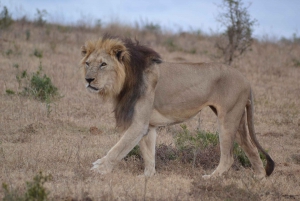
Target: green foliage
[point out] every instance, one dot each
(296, 158)
(134, 152)
(152, 27)
(171, 46)
(242, 158)
(40, 17)
(192, 51)
(8, 52)
(21, 76)
(200, 148)
(5, 18)
(166, 153)
(35, 190)
(98, 23)
(203, 141)
(190, 144)
(237, 37)
(41, 87)
(27, 34)
(16, 65)
(38, 86)
(200, 139)
(9, 92)
(240, 155)
(38, 53)
(296, 62)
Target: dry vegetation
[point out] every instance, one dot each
(65, 136)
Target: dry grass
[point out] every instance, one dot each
(80, 128)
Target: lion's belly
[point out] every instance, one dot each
(169, 117)
(157, 119)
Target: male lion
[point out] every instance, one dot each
(148, 93)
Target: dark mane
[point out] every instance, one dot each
(141, 58)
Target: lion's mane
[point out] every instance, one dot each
(131, 59)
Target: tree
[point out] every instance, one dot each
(237, 37)
(40, 15)
(5, 18)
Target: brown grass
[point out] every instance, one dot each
(80, 128)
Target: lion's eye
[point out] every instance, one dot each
(103, 65)
(87, 64)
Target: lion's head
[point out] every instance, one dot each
(103, 62)
(114, 69)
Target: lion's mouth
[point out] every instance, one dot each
(92, 89)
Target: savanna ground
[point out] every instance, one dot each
(64, 137)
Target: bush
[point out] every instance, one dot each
(34, 190)
(135, 152)
(237, 37)
(201, 139)
(40, 86)
(40, 15)
(152, 27)
(194, 147)
(38, 53)
(9, 92)
(5, 18)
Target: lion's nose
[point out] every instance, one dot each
(89, 80)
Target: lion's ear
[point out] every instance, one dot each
(120, 54)
(83, 51)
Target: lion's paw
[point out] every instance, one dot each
(206, 177)
(260, 177)
(101, 166)
(149, 172)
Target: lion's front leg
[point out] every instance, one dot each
(147, 147)
(129, 140)
(137, 129)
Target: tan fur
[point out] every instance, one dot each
(171, 93)
(99, 51)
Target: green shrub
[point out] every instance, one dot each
(200, 139)
(134, 152)
(9, 92)
(34, 190)
(193, 146)
(242, 158)
(166, 153)
(8, 52)
(152, 27)
(171, 46)
(40, 17)
(40, 86)
(5, 18)
(38, 53)
(296, 62)
(27, 34)
(240, 155)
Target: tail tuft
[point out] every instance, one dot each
(270, 165)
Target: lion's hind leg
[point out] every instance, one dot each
(244, 140)
(147, 147)
(228, 125)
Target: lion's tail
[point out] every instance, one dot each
(250, 109)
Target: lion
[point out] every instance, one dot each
(148, 93)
